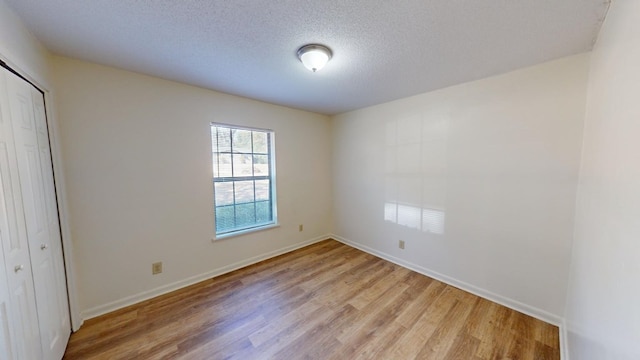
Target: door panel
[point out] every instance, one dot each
(6, 343)
(51, 209)
(48, 333)
(13, 234)
(15, 245)
(7, 350)
(37, 190)
(29, 347)
(32, 192)
(60, 326)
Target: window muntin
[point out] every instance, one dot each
(243, 178)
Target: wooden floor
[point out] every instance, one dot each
(325, 301)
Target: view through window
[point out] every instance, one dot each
(243, 178)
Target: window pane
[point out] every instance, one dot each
(224, 193)
(245, 214)
(244, 191)
(224, 139)
(241, 161)
(242, 165)
(214, 139)
(241, 141)
(225, 218)
(260, 142)
(263, 212)
(224, 165)
(260, 165)
(262, 190)
(221, 165)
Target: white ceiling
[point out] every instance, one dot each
(383, 49)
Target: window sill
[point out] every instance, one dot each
(244, 232)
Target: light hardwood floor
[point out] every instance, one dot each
(324, 301)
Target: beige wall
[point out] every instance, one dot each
(479, 180)
(603, 315)
(20, 49)
(138, 165)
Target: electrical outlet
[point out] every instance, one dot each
(156, 268)
(401, 244)
(300, 227)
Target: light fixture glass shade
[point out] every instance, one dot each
(314, 57)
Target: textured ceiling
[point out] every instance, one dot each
(383, 50)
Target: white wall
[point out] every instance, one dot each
(138, 164)
(603, 306)
(478, 179)
(20, 49)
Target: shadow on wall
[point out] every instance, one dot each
(415, 173)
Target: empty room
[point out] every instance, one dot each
(246, 179)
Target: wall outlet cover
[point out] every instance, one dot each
(156, 268)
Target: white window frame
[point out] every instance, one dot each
(272, 180)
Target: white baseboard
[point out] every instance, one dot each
(502, 300)
(146, 295)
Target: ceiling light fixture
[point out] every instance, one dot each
(314, 57)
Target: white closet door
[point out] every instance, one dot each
(7, 346)
(14, 239)
(6, 324)
(61, 324)
(40, 211)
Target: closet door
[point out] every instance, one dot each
(21, 296)
(60, 327)
(6, 324)
(41, 214)
(7, 343)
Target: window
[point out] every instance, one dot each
(243, 178)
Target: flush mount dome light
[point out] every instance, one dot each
(314, 57)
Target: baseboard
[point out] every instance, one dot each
(502, 300)
(146, 295)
